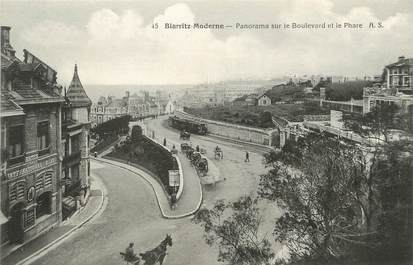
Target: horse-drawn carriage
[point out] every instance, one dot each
(151, 257)
(195, 157)
(185, 147)
(189, 152)
(184, 135)
(202, 166)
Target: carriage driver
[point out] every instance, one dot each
(130, 253)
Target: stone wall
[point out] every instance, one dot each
(316, 117)
(233, 131)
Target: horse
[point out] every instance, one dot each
(157, 254)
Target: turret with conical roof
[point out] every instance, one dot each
(77, 101)
(76, 93)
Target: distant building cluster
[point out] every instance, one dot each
(137, 106)
(394, 87)
(219, 94)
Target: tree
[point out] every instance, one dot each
(345, 91)
(113, 127)
(377, 123)
(234, 227)
(319, 182)
(136, 134)
(265, 119)
(395, 188)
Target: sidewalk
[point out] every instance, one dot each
(28, 252)
(191, 178)
(191, 198)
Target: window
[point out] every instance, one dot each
(29, 218)
(15, 141)
(75, 143)
(406, 81)
(43, 206)
(68, 115)
(3, 138)
(42, 135)
(74, 173)
(66, 148)
(16, 191)
(43, 181)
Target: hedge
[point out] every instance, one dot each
(149, 155)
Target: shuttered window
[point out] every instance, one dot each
(39, 183)
(16, 191)
(48, 179)
(29, 219)
(44, 181)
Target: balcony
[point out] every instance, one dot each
(69, 125)
(15, 160)
(72, 159)
(45, 151)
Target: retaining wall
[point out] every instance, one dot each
(233, 131)
(181, 174)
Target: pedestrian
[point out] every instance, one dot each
(247, 156)
(130, 253)
(197, 148)
(164, 141)
(173, 201)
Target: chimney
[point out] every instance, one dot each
(401, 58)
(6, 48)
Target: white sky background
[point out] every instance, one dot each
(113, 43)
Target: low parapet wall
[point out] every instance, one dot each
(233, 131)
(181, 174)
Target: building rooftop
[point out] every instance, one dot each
(401, 62)
(8, 106)
(76, 93)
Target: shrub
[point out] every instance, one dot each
(149, 155)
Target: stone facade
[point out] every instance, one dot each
(399, 75)
(75, 140)
(31, 137)
(136, 106)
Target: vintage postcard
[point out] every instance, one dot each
(206, 132)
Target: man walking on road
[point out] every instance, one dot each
(247, 156)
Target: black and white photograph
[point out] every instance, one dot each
(206, 132)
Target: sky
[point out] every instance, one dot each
(113, 42)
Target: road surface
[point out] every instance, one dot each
(132, 213)
(242, 178)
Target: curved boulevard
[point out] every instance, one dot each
(132, 213)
